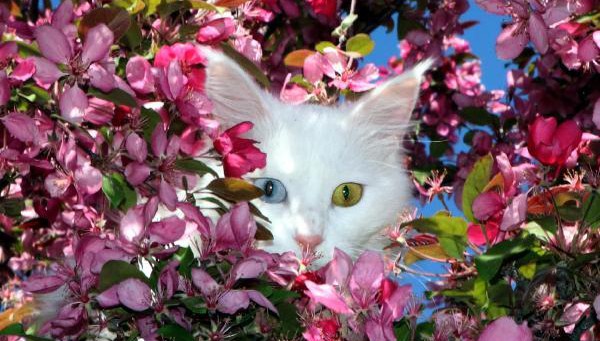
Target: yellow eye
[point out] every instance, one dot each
(347, 194)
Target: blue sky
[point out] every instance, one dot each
(482, 38)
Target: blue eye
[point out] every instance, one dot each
(274, 190)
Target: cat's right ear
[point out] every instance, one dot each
(235, 96)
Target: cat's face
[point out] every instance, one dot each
(333, 176)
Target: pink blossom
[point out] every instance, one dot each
(327, 296)
(326, 8)
(505, 328)
(235, 229)
(240, 156)
(90, 60)
(132, 293)
(551, 143)
(139, 75)
(215, 30)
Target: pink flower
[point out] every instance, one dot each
(138, 232)
(90, 60)
(4, 88)
(215, 30)
(240, 156)
(188, 57)
(326, 8)
(326, 295)
(475, 233)
(335, 66)
(551, 143)
(222, 297)
(505, 328)
(139, 75)
(131, 293)
(235, 229)
(322, 330)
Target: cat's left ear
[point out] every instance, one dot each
(389, 106)
(235, 96)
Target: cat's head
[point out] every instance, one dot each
(334, 175)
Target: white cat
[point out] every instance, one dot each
(334, 175)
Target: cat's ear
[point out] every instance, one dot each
(389, 106)
(235, 96)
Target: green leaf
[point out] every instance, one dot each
(133, 37)
(473, 291)
(421, 175)
(361, 44)
(344, 25)
(12, 207)
(118, 191)
(175, 332)
(117, 19)
(489, 263)
(438, 148)
(453, 247)
(451, 232)
(323, 45)
(528, 270)
(28, 50)
(296, 58)
(475, 183)
(186, 261)
(289, 324)
(479, 116)
(150, 118)
(591, 207)
(405, 26)
(17, 330)
(116, 96)
(234, 189)
(195, 166)
(441, 225)
(246, 64)
(195, 305)
(199, 4)
(34, 94)
(111, 189)
(131, 6)
(115, 271)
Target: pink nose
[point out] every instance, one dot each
(308, 242)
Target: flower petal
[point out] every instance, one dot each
(131, 228)
(136, 147)
(511, 41)
(101, 78)
(248, 268)
(203, 281)
(21, 127)
(232, 301)
(97, 44)
(261, 300)
(167, 231)
(88, 179)
(53, 44)
(539, 32)
(504, 329)
(73, 103)
(135, 294)
(515, 213)
(139, 75)
(327, 296)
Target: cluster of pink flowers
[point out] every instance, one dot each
(104, 217)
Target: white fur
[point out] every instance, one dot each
(312, 149)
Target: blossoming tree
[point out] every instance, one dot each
(104, 121)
